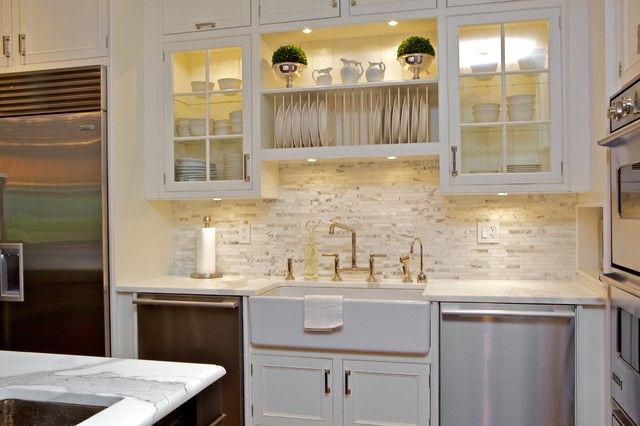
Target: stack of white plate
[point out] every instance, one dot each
(520, 107)
(486, 113)
(193, 169)
(183, 127)
(236, 121)
(524, 168)
(222, 127)
(232, 166)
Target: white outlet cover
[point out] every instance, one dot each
(488, 233)
(244, 234)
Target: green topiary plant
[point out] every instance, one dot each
(289, 53)
(416, 44)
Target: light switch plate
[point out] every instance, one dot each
(244, 234)
(488, 233)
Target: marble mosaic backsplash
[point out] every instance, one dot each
(388, 203)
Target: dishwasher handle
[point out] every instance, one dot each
(223, 304)
(507, 313)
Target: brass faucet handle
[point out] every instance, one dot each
(289, 276)
(372, 277)
(336, 266)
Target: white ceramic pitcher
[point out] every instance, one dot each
(323, 76)
(350, 73)
(375, 72)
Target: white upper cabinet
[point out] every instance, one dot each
(5, 33)
(505, 107)
(182, 16)
(59, 30)
(272, 11)
(628, 16)
(364, 7)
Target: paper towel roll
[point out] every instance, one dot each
(206, 250)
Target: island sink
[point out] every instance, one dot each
(376, 320)
(25, 412)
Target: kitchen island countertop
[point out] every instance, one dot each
(136, 392)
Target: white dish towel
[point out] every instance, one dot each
(322, 313)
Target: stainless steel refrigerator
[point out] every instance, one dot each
(53, 212)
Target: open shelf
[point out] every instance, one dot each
(413, 150)
(340, 86)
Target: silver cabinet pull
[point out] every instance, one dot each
(327, 389)
(334, 3)
(508, 313)
(22, 38)
(347, 374)
(454, 161)
(225, 304)
(218, 420)
(205, 25)
(5, 46)
(246, 158)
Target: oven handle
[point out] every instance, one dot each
(620, 135)
(620, 415)
(508, 313)
(224, 304)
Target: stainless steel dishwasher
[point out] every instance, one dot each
(200, 329)
(507, 364)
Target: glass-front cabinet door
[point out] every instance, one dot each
(207, 116)
(506, 98)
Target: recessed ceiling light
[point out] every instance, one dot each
(392, 23)
(307, 30)
(311, 160)
(503, 194)
(391, 157)
(217, 199)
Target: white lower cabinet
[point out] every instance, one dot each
(290, 391)
(296, 390)
(385, 393)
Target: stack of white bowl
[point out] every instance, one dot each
(197, 126)
(232, 166)
(236, 121)
(521, 107)
(486, 113)
(183, 127)
(222, 127)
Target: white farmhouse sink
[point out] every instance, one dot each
(378, 320)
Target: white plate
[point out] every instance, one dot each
(395, 121)
(404, 122)
(414, 120)
(376, 127)
(423, 121)
(387, 121)
(313, 124)
(296, 127)
(304, 118)
(288, 125)
(323, 121)
(279, 143)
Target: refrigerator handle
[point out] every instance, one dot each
(3, 273)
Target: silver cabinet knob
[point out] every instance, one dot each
(615, 111)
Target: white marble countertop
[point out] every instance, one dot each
(137, 392)
(514, 291)
(452, 290)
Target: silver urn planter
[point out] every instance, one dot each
(289, 71)
(416, 63)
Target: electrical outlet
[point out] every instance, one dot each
(488, 232)
(244, 234)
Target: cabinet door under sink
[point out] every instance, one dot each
(292, 391)
(385, 393)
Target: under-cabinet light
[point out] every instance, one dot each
(503, 194)
(307, 30)
(311, 160)
(392, 23)
(391, 157)
(217, 199)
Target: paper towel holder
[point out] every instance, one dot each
(207, 222)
